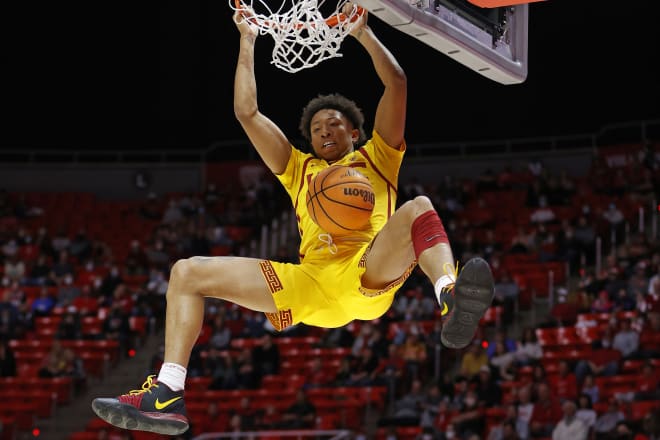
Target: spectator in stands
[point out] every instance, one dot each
(487, 388)
(247, 374)
(80, 246)
(116, 326)
(471, 418)
(473, 359)
(414, 353)
(648, 385)
(570, 426)
(136, 262)
(389, 371)
(343, 374)
(502, 361)
(585, 411)
(546, 413)
(407, 410)
(67, 291)
(524, 406)
(220, 333)
(270, 418)
(15, 268)
(44, 304)
(626, 340)
(564, 383)
(70, 326)
(585, 236)
(10, 317)
(213, 421)
(529, 350)
(110, 282)
(606, 422)
(301, 414)
(220, 367)
(57, 362)
(511, 427)
(317, 375)
(266, 356)
(507, 292)
(590, 388)
(7, 360)
(41, 273)
(500, 335)
(600, 363)
(543, 214)
(602, 303)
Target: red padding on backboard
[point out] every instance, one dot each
(500, 3)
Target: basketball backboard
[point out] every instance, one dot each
(490, 41)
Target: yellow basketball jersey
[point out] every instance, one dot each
(375, 160)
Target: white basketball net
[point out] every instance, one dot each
(303, 37)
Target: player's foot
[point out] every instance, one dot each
(154, 408)
(464, 303)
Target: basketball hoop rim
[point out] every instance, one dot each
(332, 21)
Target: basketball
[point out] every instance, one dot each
(340, 200)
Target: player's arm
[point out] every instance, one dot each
(267, 138)
(390, 118)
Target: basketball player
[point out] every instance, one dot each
(338, 279)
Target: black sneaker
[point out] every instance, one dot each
(154, 408)
(465, 302)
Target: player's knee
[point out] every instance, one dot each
(181, 271)
(422, 204)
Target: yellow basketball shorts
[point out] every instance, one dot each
(326, 292)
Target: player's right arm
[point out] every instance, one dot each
(267, 138)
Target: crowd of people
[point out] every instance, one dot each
(454, 404)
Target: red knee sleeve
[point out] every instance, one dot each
(427, 231)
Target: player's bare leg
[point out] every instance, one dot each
(159, 405)
(415, 232)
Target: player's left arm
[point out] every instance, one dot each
(390, 117)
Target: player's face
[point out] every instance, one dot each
(332, 135)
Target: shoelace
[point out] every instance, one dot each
(146, 386)
(327, 239)
(451, 271)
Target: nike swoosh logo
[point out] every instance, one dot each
(445, 309)
(432, 237)
(165, 404)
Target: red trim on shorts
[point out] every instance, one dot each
(302, 181)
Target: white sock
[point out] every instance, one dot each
(173, 375)
(442, 282)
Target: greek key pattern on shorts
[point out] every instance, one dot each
(274, 283)
(400, 280)
(281, 319)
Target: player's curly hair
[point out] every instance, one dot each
(333, 101)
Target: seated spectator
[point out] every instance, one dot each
(214, 420)
(471, 419)
(570, 426)
(473, 360)
(511, 428)
(67, 292)
(7, 360)
(590, 388)
(546, 413)
(408, 408)
(487, 388)
(585, 411)
(266, 355)
(606, 423)
(44, 304)
(648, 383)
(602, 303)
(318, 375)
(70, 326)
(564, 383)
(301, 414)
(529, 350)
(501, 362)
(543, 214)
(626, 340)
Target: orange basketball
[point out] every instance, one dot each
(340, 200)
